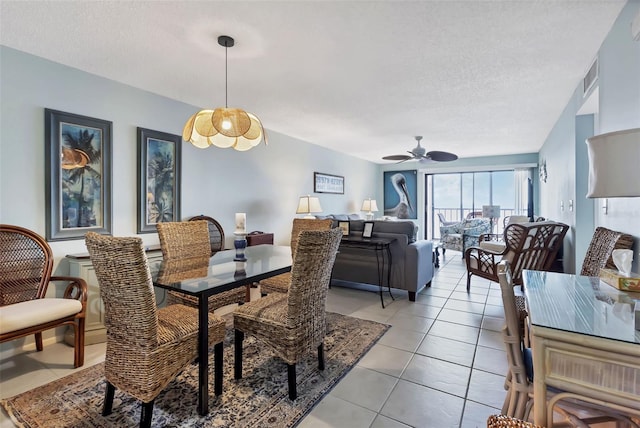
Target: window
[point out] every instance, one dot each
(458, 195)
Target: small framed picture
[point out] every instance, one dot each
(344, 226)
(368, 229)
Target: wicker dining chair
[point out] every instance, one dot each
(26, 264)
(504, 421)
(600, 249)
(189, 240)
(146, 347)
(293, 324)
(280, 283)
(216, 233)
(576, 410)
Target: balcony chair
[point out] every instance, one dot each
(192, 240)
(519, 379)
(464, 234)
(600, 249)
(26, 264)
(293, 324)
(530, 246)
(280, 283)
(444, 222)
(146, 347)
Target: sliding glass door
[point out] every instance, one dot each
(453, 197)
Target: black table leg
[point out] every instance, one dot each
(203, 355)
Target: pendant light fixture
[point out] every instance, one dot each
(224, 127)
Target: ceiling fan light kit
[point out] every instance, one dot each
(420, 153)
(224, 127)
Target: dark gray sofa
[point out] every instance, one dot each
(412, 260)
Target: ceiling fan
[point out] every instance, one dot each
(421, 154)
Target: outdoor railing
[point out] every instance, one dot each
(454, 215)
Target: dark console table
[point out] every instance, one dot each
(382, 248)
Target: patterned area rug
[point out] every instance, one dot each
(260, 399)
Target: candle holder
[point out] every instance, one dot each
(240, 271)
(240, 243)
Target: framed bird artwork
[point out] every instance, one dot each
(400, 194)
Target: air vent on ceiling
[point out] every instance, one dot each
(590, 78)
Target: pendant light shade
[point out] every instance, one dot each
(224, 127)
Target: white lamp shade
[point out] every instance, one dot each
(308, 204)
(369, 205)
(613, 163)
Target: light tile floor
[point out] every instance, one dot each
(441, 364)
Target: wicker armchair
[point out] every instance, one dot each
(26, 264)
(146, 347)
(530, 246)
(602, 244)
(191, 240)
(293, 324)
(280, 283)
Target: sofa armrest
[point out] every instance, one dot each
(418, 265)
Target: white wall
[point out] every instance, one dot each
(264, 182)
(618, 108)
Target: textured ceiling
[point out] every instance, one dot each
(360, 77)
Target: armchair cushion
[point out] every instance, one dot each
(465, 234)
(27, 314)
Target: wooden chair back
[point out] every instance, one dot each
(26, 263)
(532, 246)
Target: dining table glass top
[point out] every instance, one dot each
(580, 304)
(199, 274)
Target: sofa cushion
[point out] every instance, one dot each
(35, 312)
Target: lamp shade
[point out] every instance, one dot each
(369, 205)
(224, 127)
(308, 204)
(613, 161)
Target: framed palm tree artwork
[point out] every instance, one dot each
(159, 159)
(77, 175)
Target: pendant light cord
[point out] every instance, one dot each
(226, 77)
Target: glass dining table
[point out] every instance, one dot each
(584, 342)
(219, 273)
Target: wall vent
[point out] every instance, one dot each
(590, 78)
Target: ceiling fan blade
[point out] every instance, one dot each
(442, 156)
(397, 157)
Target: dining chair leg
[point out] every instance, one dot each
(468, 281)
(217, 361)
(321, 356)
(146, 414)
(39, 341)
(108, 399)
(237, 346)
(291, 374)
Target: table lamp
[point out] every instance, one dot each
(370, 206)
(307, 205)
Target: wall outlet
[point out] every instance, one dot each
(570, 204)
